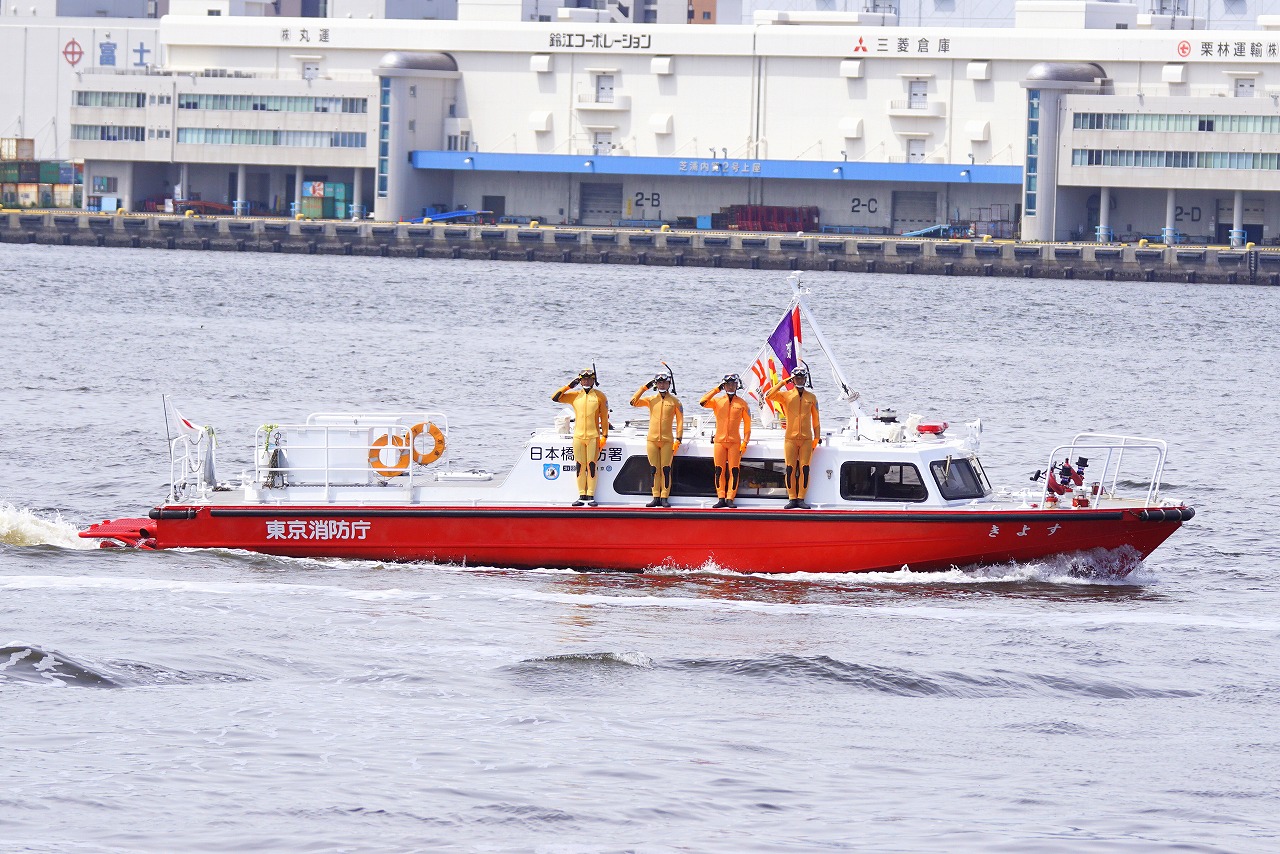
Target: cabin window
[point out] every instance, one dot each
(881, 481)
(960, 479)
(694, 477)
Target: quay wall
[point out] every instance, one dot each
(596, 245)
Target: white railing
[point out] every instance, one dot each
(1113, 450)
(349, 449)
(191, 466)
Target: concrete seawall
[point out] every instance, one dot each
(567, 244)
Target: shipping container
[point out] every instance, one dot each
(339, 209)
(46, 195)
(70, 173)
(28, 195)
(9, 193)
(317, 208)
(8, 172)
(28, 172)
(50, 172)
(314, 189)
(64, 196)
(340, 192)
(15, 148)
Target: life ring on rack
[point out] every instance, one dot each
(437, 436)
(399, 467)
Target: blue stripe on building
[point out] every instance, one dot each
(728, 170)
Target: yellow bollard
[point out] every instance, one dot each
(665, 227)
(1248, 246)
(533, 223)
(298, 217)
(1142, 242)
(986, 238)
(190, 212)
(119, 211)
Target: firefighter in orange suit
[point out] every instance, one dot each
(590, 430)
(666, 432)
(800, 409)
(733, 432)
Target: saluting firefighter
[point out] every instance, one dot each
(666, 432)
(590, 430)
(800, 408)
(733, 432)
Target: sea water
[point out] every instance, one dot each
(225, 701)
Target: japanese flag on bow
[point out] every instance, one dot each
(777, 359)
(181, 427)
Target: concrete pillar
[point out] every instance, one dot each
(1170, 216)
(1237, 220)
(297, 190)
(357, 190)
(184, 180)
(1104, 215)
(241, 190)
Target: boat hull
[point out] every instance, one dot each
(635, 539)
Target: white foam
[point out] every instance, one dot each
(21, 527)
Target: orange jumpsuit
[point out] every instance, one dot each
(665, 410)
(800, 409)
(590, 431)
(733, 432)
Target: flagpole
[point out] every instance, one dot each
(848, 394)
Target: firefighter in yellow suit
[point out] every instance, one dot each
(590, 430)
(666, 432)
(804, 431)
(733, 432)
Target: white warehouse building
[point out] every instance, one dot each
(1076, 122)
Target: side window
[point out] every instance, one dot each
(958, 479)
(694, 477)
(881, 481)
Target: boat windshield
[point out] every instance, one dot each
(960, 479)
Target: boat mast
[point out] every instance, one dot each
(846, 393)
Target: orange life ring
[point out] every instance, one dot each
(437, 436)
(399, 467)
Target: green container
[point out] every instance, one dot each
(313, 207)
(50, 172)
(339, 210)
(328, 189)
(328, 207)
(340, 192)
(8, 172)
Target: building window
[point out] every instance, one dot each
(384, 135)
(273, 103)
(110, 99)
(1033, 150)
(109, 133)
(287, 138)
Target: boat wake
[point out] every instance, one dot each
(21, 527)
(1095, 566)
(26, 664)
(823, 670)
(36, 666)
(901, 682)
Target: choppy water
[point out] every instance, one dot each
(229, 702)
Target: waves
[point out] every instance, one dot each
(21, 527)
(35, 666)
(825, 672)
(30, 665)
